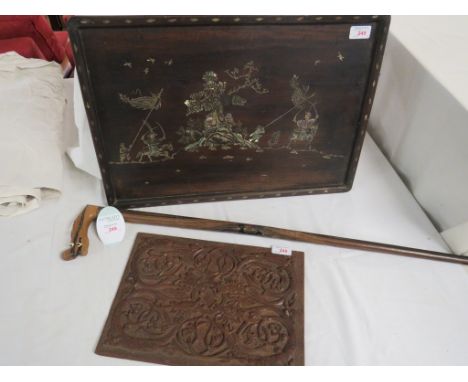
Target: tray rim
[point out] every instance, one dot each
(77, 23)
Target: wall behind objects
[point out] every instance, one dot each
(420, 114)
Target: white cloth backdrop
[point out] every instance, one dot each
(80, 148)
(32, 103)
(420, 116)
(360, 308)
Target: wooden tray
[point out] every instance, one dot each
(192, 109)
(193, 302)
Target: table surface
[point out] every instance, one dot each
(360, 307)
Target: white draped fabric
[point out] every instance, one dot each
(32, 103)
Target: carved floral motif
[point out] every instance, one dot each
(191, 302)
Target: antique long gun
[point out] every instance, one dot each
(80, 242)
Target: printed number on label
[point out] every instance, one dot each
(360, 32)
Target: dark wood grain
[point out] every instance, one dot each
(120, 59)
(193, 302)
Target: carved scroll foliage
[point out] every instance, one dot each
(191, 302)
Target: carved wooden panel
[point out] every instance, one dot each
(193, 302)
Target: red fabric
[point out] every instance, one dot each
(38, 29)
(24, 46)
(62, 37)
